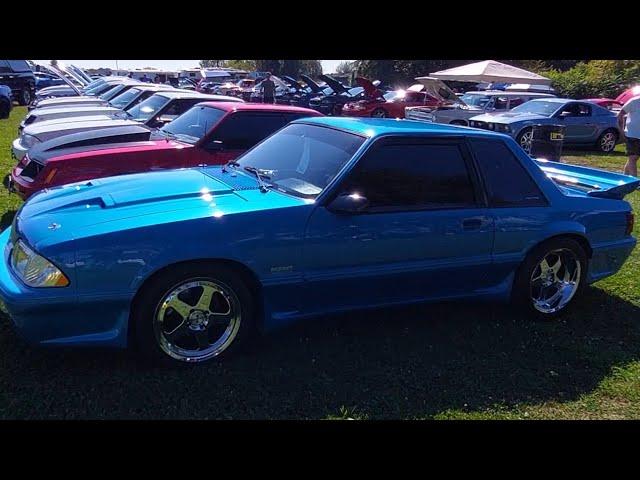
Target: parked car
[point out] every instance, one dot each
(95, 89)
(628, 94)
(472, 104)
(327, 215)
(44, 79)
(392, 104)
(608, 103)
(585, 123)
(99, 95)
(75, 79)
(118, 104)
(209, 133)
(333, 103)
(18, 76)
(6, 101)
(154, 112)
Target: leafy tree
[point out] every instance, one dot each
(345, 68)
(248, 65)
(212, 63)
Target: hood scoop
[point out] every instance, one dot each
(233, 178)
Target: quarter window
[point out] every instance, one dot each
(507, 182)
(413, 176)
(241, 131)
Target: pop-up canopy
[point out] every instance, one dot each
(491, 71)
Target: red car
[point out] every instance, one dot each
(607, 103)
(391, 104)
(209, 133)
(628, 94)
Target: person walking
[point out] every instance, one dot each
(629, 123)
(268, 89)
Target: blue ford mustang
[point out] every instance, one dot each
(585, 123)
(326, 215)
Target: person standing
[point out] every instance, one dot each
(268, 89)
(629, 123)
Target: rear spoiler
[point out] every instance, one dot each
(592, 181)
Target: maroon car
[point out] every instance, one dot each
(210, 133)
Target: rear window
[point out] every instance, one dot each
(507, 182)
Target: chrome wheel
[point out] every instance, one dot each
(525, 140)
(608, 142)
(555, 280)
(379, 113)
(196, 320)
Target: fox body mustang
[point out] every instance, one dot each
(325, 215)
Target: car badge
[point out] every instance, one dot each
(54, 226)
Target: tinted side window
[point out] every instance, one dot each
(4, 66)
(433, 175)
(244, 130)
(507, 182)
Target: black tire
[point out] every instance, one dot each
(25, 96)
(462, 123)
(5, 110)
(520, 137)
(379, 113)
(523, 288)
(150, 298)
(607, 141)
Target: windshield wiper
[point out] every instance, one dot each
(230, 163)
(264, 188)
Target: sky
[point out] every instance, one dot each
(328, 66)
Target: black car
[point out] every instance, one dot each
(332, 103)
(6, 102)
(19, 77)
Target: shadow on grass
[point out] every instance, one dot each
(577, 151)
(7, 218)
(392, 363)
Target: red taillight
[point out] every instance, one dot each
(630, 222)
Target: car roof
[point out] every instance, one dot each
(510, 94)
(230, 106)
(373, 127)
(555, 100)
(191, 94)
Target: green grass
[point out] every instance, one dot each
(439, 361)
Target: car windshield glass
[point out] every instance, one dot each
(392, 95)
(193, 124)
(93, 84)
(145, 110)
(476, 100)
(111, 93)
(537, 106)
(98, 89)
(302, 159)
(124, 99)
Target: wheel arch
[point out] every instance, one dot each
(249, 276)
(580, 238)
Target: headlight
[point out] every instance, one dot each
(34, 270)
(28, 141)
(502, 128)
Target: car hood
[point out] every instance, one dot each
(509, 117)
(73, 101)
(71, 111)
(315, 88)
(134, 201)
(370, 90)
(335, 85)
(54, 128)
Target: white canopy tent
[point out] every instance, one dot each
(491, 71)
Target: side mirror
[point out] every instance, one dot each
(215, 146)
(348, 204)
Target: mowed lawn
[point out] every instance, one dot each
(439, 361)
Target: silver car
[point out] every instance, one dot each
(472, 104)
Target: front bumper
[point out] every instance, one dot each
(59, 316)
(18, 150)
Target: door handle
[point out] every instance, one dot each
(471, 223)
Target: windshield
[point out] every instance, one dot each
(302, 159)
(124, 99)
(111, 93)
(98, 89)
(476, 100)
(193, 124)
(539, 107)
(93, 84)
(147, 109)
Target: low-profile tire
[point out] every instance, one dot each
(192, 313)
(25, 96)
(461, 123)
(607, 141)
(550, 278)
(524, 139)
(379, 113)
